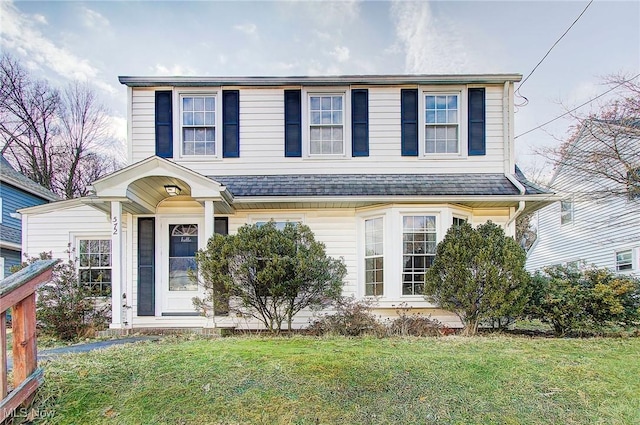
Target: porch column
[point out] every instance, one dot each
(209, 228)
(116, 265)
(209, 221)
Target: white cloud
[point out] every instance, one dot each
(18, 33)
(41, 19)
(94, 20)
(430, 45)
(341, 53)
(248, 28)
(173, 70)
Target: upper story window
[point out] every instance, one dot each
(418, 251)
(566, 212)
(198, 124)
(624, 260)
(442, 123)
(326, 124)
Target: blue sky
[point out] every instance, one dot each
(100, 40)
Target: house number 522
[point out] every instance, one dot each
(115, 225)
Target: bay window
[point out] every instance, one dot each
(373, 256)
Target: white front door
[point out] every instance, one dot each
(180, 238)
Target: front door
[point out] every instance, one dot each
(181, 240)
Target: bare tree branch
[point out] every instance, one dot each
(60, 140)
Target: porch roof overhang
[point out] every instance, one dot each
(533, 202)
(472, 190)
(140, 187)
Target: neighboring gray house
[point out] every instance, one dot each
(378, 166)
(598, 221)
(16, 191)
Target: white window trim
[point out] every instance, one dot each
(572, 211)
(634, 259)
(177, 120)
(346, 122)
(77, 237)
(463, 150)
(286, 218)
(1, 268)
(1, 210)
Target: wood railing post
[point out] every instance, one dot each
(18, 292)
(24, 339)
(4, 389)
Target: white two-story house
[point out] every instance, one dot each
(379, 167)
(597, 222)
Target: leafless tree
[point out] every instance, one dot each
(28, 121)
(59, 139)
(85, 136)
(602, 158)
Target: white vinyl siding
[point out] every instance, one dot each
(599, 230)
(262, 137)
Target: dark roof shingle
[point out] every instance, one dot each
(468, 184)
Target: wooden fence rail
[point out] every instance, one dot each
(19, 291)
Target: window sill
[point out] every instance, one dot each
(445, 157)
(326, 157)
(199, 158)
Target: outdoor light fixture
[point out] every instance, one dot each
(172, 190)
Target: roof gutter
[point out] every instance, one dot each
(390, 198)
(521, 204)
(192, 81)
(507, 137)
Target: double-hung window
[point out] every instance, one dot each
(198, 124)
(442, 123)
(326, 124)
(374, 256)
(566, 212)
(94, 266)
(624, 260)
(418, 251)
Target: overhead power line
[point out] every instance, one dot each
(578, 107)
(549, 51)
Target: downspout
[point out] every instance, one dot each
(507, 137)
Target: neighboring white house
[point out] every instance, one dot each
(598, 220)
(379, 167)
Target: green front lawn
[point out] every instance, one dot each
(300, 380)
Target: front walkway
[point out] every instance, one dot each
(83, 348)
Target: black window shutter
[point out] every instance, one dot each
(409, 121)
(292, 123)
(146, 267)
(231, 124)
(164, 124)
(360, 122)
(477, 144)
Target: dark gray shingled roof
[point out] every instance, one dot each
(372, 185)
(10, 175)
(10, 235)
(532, 188)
